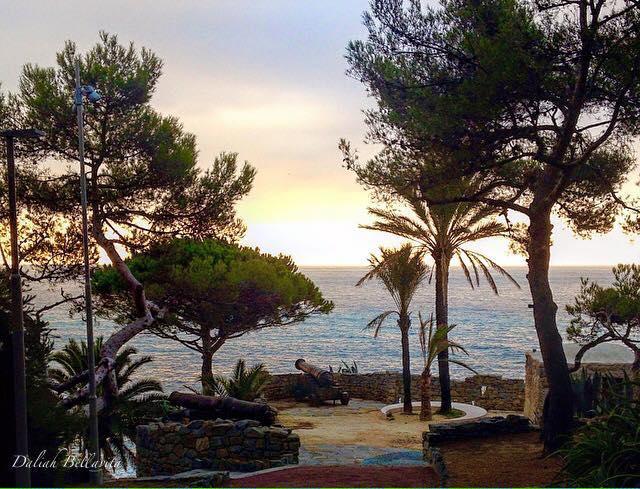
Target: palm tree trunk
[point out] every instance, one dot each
(425, 401)
(406, 365)
(558, 415)
(442, 262)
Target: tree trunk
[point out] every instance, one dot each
(406, 365)
(206, 375)
(425, 401)
(558, 417)
(442, 262)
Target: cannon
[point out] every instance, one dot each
(212, 407)
(317, 385)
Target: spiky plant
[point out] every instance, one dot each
(245, 384)
(401, 271)
(432, 343)
(135, 400)
(606, 451)
(442, 232)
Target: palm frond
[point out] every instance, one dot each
(139, 387)
(378, 321)
(465, 269)
(462, 364)
(497, 268)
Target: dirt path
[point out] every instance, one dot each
(343, 476)
(359, 423)
(501, 461)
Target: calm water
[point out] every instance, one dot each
(496, 330)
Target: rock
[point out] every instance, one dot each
(246, 423)
(254, 432)
(194, 425)
(202, 444)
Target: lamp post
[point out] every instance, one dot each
(23, 474)
(93, 96)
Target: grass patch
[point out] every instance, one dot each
(454, 413)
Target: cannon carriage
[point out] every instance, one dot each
(317, 385)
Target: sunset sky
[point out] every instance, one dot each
(265, 79)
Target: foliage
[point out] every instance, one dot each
(245, 384)
(137, 399)
(606, 451)
(215, 291)
(435, 340)
(444, 230)
(144, 182)
(51, 427)
(345, 368)
(477, 90)
(537, 102)
(597, 394)
(401, 271)
(605, 314)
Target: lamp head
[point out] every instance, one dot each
(92, 94)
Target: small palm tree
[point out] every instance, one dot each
(135, 400)
(244, 384)
(401, 271)
(442, 231)
(432, 343)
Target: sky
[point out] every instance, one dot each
(265, 79)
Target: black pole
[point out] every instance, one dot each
(23, 474)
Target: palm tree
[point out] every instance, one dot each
(442, 232)
(401, 271)
(432, 343)
(135, 400)
(245, 384)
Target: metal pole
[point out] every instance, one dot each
(95, 473)
(23, 474)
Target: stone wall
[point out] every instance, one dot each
(173, 447)
(536, 386)
(487, 391)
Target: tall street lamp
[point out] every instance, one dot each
(93, 96)
(23, 474)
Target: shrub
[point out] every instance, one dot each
(606, 451)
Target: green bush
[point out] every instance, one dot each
(606, 451)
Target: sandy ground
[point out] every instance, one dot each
(359, 423)
(500, 461)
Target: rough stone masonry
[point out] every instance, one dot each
(171, 447)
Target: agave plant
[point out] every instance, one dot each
(136, 399)
(401, 271)
(442, 232)
(245, 384)
(432, 343)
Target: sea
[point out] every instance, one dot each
(496, 330)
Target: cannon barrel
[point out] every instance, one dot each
(225, 407)
(324, 377)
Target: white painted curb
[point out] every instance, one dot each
(470, 411)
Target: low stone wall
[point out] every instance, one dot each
(172, 447)
(479, 428)
(537, 387)
(488, 391)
